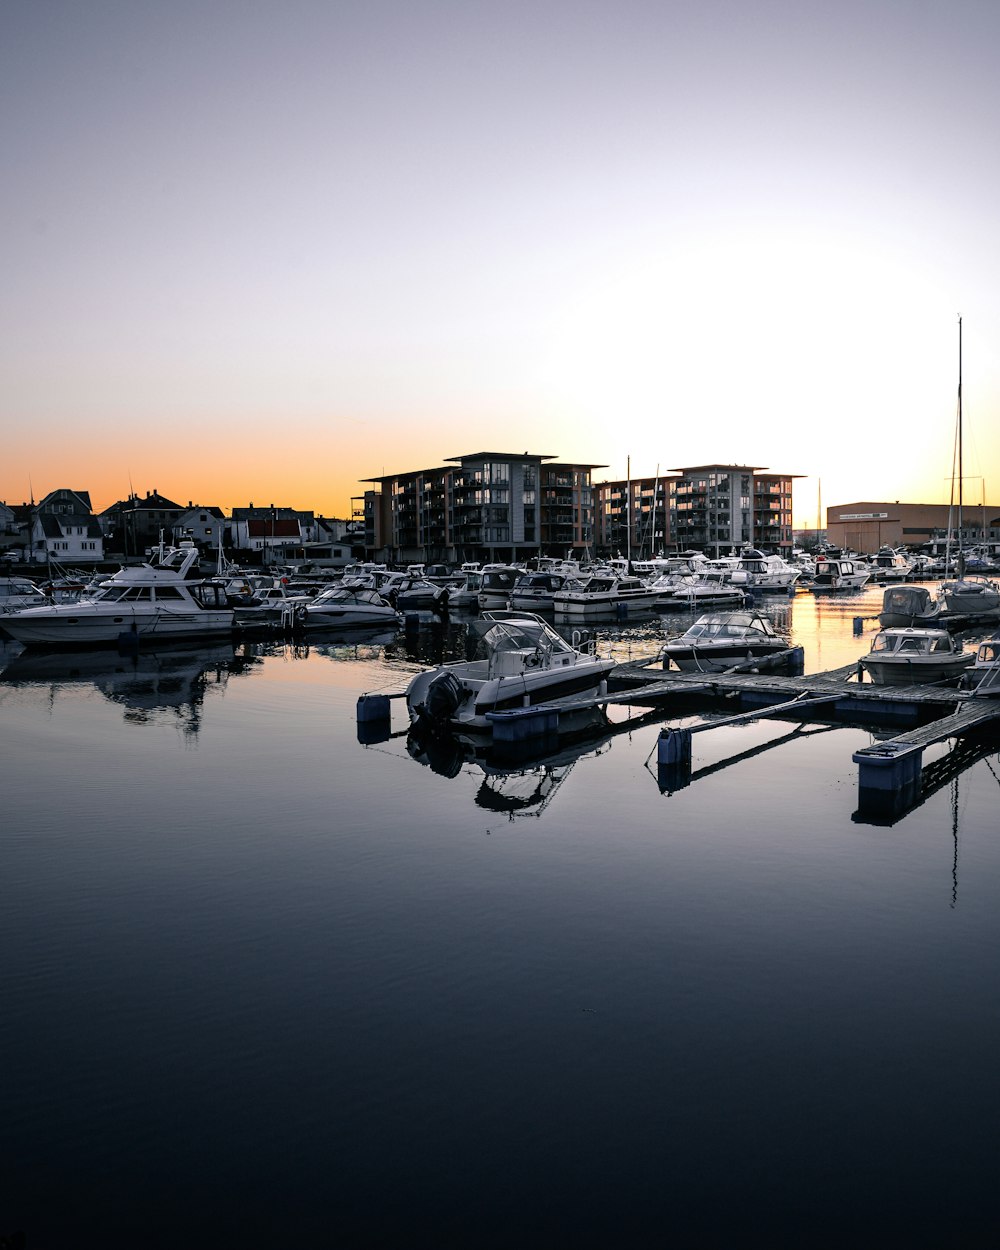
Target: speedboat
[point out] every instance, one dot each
(718, 641)
(909, 605)
(983, 675)
(694, 593)
(465, 596)
(834, 573)
(159, 599)
(908, 656)
(522, 662)
(347, 606)
(604, 598)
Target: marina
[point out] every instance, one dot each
(576, 936)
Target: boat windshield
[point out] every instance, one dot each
(520, 635)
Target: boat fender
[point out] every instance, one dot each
(444, 694)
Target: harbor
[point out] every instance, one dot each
(567, 937)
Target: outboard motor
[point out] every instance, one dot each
(444, 696)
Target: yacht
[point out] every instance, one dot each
(718, 641)
(756, 571)
(159, 599)
(908, 656)
(522, 661)
(498, 582)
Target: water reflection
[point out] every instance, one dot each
(146, 684)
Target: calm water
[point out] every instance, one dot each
(264, 986)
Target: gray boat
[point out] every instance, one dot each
(909, 605)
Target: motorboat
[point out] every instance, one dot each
(983, 674)
(604, 598)
(756, 571)
(693, 593)
(909, 605)
(521, 661)
(971, 596)
(836, 573)
(17, 593)
(414, 594)
(910, 655)
(890, 565)
(536, 592)
(465, 596)
(158, 599)
(347, 606)
(719, 641)
(498, 582)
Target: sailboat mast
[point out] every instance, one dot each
(628, 509)
(960, 475)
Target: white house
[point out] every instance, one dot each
(64, 529)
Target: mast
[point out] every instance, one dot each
(961, 557)
(628, 510)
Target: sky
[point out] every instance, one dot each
(260, 252)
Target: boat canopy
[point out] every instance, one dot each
(908, 600)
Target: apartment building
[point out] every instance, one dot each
(488, 505)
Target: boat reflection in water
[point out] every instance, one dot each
(149, 685)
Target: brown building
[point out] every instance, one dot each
(867, 526)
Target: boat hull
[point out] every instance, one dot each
(901, 671)
(73, 625)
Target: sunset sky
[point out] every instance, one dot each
(262, 251)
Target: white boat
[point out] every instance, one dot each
(756, 571)
(465, 596)
(346, 606)
(498, 582)
(604, 598)
(159, 599)
(971, 596)
(17, 593)
(835, 573)
(983, 674)
(719, 641)
(536, 592)
(522, 662)
(691, 594)
(890, 565)
(414, 594)
(909, 656)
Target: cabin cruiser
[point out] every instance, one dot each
(160, 599)
(971, 596)
(604, 598)
(536, 592)
(522, 662)
(756, 571)
(498, 582)
(835, 573)
(907, 656)
(719, 641)
(17, 593)
(414, 594)
(909, 605)
(983, 675)
(890, 565)
(687, 594)
(464, 597)
(346, 606)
